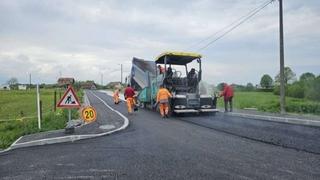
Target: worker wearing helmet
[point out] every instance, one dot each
(116, 98)
(163, 100)
(129, 96)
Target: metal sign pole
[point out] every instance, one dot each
(69, 115)
(121, 74)
(38, 105)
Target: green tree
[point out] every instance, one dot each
(13, 83)
(307, 76)
(296, 89)
(249, 87)
(289, 76)
(313, 89)
(220, 86)
(77, 85)
(266, 81)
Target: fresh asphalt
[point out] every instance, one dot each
(192, 147)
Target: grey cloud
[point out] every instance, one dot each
(94, 36)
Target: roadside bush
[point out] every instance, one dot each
(309, 89)
(273, 106)
(249, 87)
(296, 90)
(293, 106)
(303, 107)
(265, 90)
(268, 102)
(276, 90)
(313, 89)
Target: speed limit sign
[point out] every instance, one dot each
(89, 114)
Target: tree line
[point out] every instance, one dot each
(306, 86)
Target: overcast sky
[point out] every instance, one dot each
(84, 39)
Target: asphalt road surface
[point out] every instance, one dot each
(192, 147)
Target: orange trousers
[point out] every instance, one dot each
(164, 109)
(130, 104)
(116, 99)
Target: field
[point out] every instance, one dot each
(267, 101)
(18, 114)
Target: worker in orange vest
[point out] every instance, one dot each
(116, 96)
(129, 96)
(163, 100)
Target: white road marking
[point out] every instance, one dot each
(278, 119)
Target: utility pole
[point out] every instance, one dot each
(121, 73)
(282, 85)
(101, 79)
(38, 107)
(30, 81)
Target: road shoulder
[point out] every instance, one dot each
(275, 117)
(109, 121)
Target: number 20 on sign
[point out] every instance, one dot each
(89, 114)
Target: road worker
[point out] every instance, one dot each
(192, 81)
(129, 96)
(163, 100)
(116, 98)
(227, 93)
(161, 69)
(168, 79)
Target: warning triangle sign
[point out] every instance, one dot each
(69, 99)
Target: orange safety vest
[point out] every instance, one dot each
(163, 95)
(116, 93)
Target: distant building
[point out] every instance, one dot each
(113, 85)
(64, 81)
(5, 87)
(88, 85)
(22, 87)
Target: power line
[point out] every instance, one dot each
(229, 25)
(237, 25)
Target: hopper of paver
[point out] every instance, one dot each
(142, 72)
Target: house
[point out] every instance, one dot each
(113, 85)
(5, 87)
(22, 87)
(65, 81)
(88, 85)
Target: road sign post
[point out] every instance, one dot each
(69, 115)
(69, 101)
(55, 101)
(38, 107)
(89, 114)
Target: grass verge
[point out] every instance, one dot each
(18, 124)
(268, 102)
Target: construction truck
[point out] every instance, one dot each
(172, 70)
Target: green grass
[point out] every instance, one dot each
(18, 114)
(17, 104)
(267, 101)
